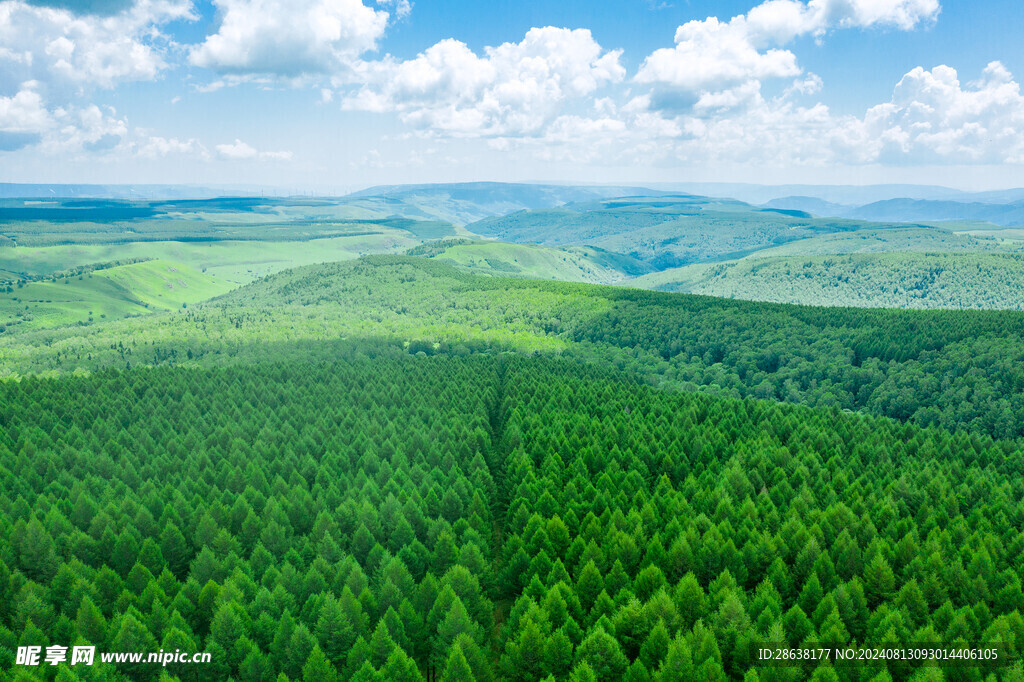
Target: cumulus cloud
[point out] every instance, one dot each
(156, 147)
(25, 120)
(290, 38)
(402, 7)
(933, 118)
(65, 51)
(56, 54)
(239, 151)
(714, 55)
(711, 54)
(77, 129)
(513, 89)
(24, 112)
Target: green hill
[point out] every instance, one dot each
(109, 221)
(871, 239)
(162, 284)
(466, 202)
(891, 280)
(238, 262)
(960, 369)
(568, 264)
(666, 231)
(105, 294)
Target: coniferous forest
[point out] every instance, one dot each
(394, 470)
(511, 341)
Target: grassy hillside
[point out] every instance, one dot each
(233, 261)
(107, 294)
(166, 285)
(568, 264)
(892, 280)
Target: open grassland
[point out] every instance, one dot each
(236, 262)
(107, 294)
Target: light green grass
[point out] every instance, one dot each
(236, 262)
(166, 285)
(123, 291)
(571, 264)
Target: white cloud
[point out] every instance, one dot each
(289, 38)
(514, 89)
(66, 51)
(932, 118)
(56, 59)
(74, 130)
(239, 151)
(156, 147)
(24, 112)
(712, 55)
(402, 7)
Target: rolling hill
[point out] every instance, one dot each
(105, 294)
(666, 231)
(913, 239)
(1008, 214)
(569, 264)
(890, 280)
(917, 210)
(957, 368)
(463, 203)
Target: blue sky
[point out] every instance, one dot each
(332, 95)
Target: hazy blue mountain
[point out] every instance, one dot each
(463, 203)
(848, 195)
(10, 190)
(908, 210)
(812, 205)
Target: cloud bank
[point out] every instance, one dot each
(556, 93)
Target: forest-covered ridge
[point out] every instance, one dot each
(952, 279)
(959, 369)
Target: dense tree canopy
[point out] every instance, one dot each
(955, 369)
(382, 515)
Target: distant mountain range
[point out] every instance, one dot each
(845, 195)
(10, 190)
(464, 203)
(909, 210)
